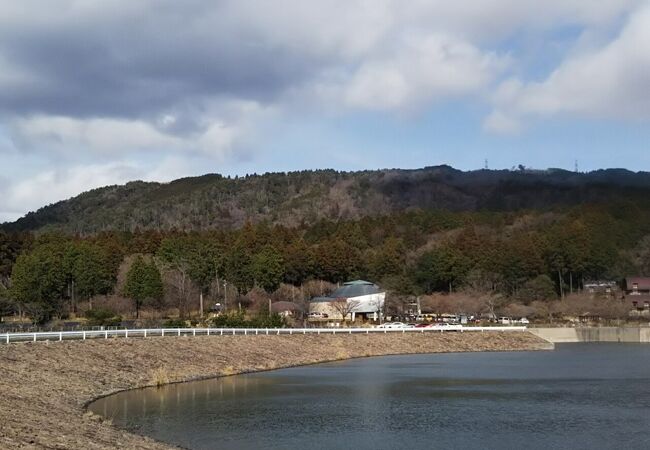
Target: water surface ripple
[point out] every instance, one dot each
(580, 396)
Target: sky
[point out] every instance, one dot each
(97, 93)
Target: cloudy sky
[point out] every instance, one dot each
(95, 93)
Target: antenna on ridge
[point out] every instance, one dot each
(575, 169)
(486, 164)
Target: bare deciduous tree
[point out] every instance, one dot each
(181, 288)
(345, 307)
(315, 288)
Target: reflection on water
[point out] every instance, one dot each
(123, 408)
(579, 396)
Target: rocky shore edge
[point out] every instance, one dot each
(46, 386)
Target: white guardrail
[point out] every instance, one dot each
(7, 338)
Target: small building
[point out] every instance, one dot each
(353, 300)
(637, 286)
(637, 293)
(286, 309)
(589, 317)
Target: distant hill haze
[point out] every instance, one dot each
(217, 202)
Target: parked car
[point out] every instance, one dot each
(447, 326)
(524, 321)
(392, 325)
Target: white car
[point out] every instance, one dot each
(447, 326)
(392, 325)
(317, 315)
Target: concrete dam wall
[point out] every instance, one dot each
(593, 334)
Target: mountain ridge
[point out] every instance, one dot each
(214, 201)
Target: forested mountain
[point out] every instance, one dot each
(216, 202)
(514, 238)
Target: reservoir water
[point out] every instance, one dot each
(580, 396)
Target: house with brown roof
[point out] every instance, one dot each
(637, 285)
(286, 309)
(637, 292)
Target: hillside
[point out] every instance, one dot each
(214, 201)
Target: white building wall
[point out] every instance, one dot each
(364, 304)
(368, 303)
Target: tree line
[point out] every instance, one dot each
(524, 256)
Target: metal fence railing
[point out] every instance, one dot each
(7, 338)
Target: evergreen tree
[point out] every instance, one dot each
(238, 269)
(38, 282)
(298, 262)
(143, 284)
(441, 269)
(337, 261)
(540, 288)
(88, 271)
(388, 260)
(268, 268)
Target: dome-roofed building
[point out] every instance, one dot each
(353, 299)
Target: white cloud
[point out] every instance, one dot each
(612, 81)
(247, 50)
(111, 136)
(422, 69)
(114, 137)
(500, 123)
(338, 29)
(42, 188)
(49, 186)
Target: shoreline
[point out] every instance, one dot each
(46, 388)
(543, 347)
